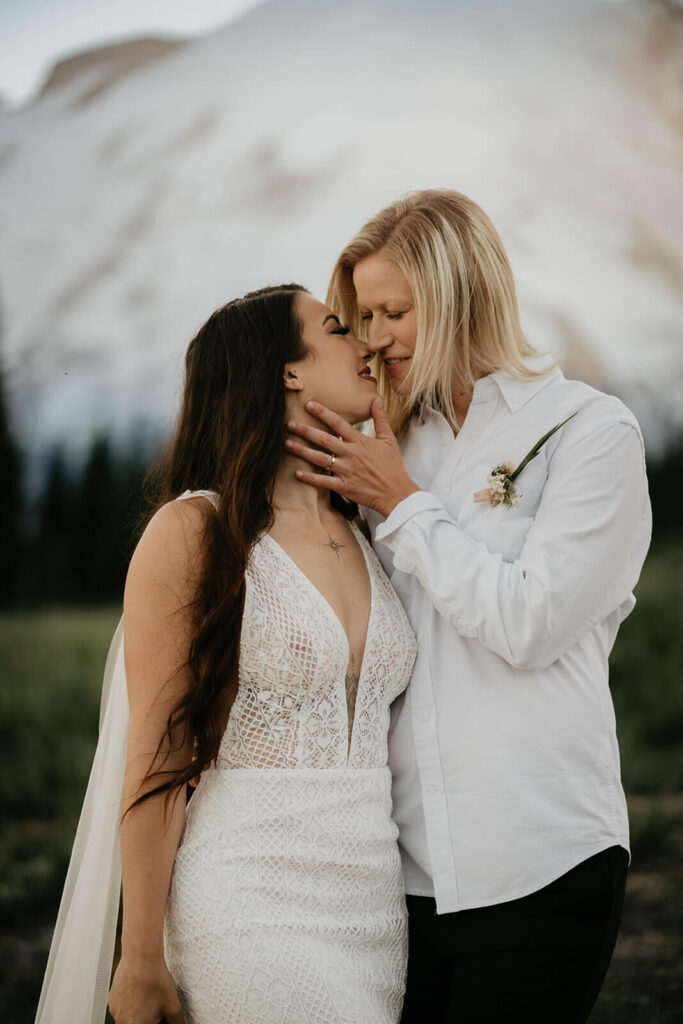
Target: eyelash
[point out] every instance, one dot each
(340, 330)
(390, 316)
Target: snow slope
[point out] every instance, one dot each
(252, 155)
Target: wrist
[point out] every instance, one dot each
(388, 502)
(143, 953)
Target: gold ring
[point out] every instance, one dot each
(332, 461)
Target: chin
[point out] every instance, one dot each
(360, 413)
(399, 388)
(361, 418)
(359, 410)
(366, 410)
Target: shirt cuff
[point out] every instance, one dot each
(418, 501)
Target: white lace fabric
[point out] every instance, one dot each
(286, 903)
(291, 709)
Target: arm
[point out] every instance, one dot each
(581, 558)
(161, 582)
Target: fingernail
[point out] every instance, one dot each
(299, 474)
(291, 425)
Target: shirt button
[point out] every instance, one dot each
(424, 716)
(432, 790)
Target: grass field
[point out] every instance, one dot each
(52, 664)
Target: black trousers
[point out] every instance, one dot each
(540, 959)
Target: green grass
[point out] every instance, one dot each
(52, 665)
(646, 670)
(53, 662)
(645, 980)
(49, 706)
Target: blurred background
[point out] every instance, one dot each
(157, 159)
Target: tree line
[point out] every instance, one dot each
(74, 544)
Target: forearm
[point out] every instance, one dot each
(483, 597)
(150, 834)
(581, 558)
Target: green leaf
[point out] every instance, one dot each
(537, 447)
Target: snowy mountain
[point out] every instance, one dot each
(136, 195)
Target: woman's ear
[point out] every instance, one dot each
(293, 380)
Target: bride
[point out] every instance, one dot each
(263, 648)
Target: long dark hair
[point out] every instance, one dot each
(229, 439)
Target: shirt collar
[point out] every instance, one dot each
(517, 390)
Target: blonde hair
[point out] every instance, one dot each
(465, 301)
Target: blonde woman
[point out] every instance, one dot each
(509, 507)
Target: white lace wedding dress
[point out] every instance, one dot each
(286, 903)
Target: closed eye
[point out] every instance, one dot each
(340, 330)
(389, 316)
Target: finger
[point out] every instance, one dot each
(331, 419)
(315, 436)
(380, 419)
(327, 483)
(316, 458)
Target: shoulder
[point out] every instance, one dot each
(602, 440)
(578, 396)
(171, 546)
(597, 413)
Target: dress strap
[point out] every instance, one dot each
(213, 496)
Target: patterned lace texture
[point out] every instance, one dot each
(286, 902)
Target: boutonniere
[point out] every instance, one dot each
(501, 479)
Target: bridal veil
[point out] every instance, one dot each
(78, 973)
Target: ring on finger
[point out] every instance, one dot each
(333, 459)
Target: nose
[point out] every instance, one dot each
(360, 347)
(379, 336)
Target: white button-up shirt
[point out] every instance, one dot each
(503, 749)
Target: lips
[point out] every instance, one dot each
(393, 366)
(365, 374)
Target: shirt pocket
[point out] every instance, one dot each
(502, 528)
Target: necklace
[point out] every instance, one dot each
(335, 545)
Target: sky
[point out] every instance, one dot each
(34, 34)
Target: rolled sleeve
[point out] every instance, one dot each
(419, 501)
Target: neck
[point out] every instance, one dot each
(461, 400)
(291, 497)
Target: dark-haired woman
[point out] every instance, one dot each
(277, 894)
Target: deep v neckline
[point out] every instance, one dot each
(326, 604)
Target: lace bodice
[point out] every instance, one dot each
(291, 709)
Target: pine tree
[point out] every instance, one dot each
(94, 537)
(54, 580)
